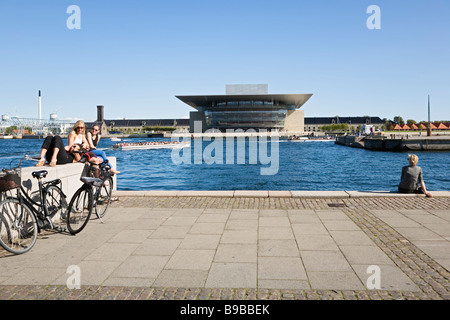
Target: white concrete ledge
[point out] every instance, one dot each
(69, 174)
(276, 194)
(251, 194)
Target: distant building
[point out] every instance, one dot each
(134, 125)
(247, 107)
(256, 111)
(314, 124)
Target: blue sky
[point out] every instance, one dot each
(134, 56)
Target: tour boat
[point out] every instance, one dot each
(151, 145)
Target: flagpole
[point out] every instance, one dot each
(429, 121)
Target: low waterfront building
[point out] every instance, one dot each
(314, 124)
(130, 126)
(248, 107)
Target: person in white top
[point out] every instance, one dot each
(77, 135)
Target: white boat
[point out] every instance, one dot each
(313, 139)
(298, 139)
(116, 139)
(151, 145)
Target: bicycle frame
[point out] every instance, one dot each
(39, 213)
(96, 189)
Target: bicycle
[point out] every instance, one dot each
(21, 217)
(94, 195)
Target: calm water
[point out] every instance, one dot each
(302, 166)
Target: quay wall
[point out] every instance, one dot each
(414, 143)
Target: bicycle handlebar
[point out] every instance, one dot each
(26, 157)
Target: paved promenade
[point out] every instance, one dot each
(245, 245)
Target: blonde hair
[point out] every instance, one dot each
(78, 124)
(413, 159)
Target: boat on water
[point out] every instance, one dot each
(151, 145)
(116, 139)
(312, 139)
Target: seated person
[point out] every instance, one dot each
(99, 157)
(412, 177)
(93, 137)
(54, 151)
(77, 136)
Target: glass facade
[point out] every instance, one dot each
(222, 120)
(245, 114)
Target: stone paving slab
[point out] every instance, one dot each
(200, 247)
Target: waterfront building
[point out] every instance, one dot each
(248, 107)
(135, 125)
(274, 116)
(314, 124)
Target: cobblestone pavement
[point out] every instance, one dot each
(427, 274)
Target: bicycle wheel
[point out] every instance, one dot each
(104, 197)
(80, 209)
(18, 226)
(55, 203)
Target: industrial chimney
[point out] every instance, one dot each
(39, 106)
(100, 113)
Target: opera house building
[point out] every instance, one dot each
(248, 107)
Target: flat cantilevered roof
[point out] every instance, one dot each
(209, 100)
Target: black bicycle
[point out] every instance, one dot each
(94, 195)
(22, 217)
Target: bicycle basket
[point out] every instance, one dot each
(93, 171)
(10, 179)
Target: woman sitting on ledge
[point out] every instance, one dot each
(53, 145)
(412, 177)
(54, 152)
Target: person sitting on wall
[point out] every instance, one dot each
(411, 178)
(53, 145)
(93, 136)
(77, 135)
(99, 156)
(54, 151)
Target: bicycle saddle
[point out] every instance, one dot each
(39, 174)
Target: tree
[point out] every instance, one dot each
(335, 127)
(399, 120)
(410, 122)
(10, 130)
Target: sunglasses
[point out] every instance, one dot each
(80, 128)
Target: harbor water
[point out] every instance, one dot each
(317, 166)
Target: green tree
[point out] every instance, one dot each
(399, 120)
(335, 127)
(10, 130)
